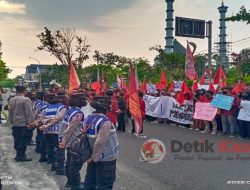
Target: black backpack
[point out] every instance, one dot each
(80, 148)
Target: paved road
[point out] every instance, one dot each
(185, 171)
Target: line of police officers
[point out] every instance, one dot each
(58, 120)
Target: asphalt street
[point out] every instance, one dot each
(178, 171)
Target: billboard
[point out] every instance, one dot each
(188, 27)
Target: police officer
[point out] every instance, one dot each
(71, 129)
(21, 118)
(101, 168)
(54, 115)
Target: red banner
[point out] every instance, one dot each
(190, 71)
(74, 81)
(134, 102)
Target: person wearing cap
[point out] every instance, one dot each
(101, 168)
(21, 118)
(70, 130)
(39, 122)
(54, 115)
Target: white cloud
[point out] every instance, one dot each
(8, 7)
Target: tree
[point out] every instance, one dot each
(60, 44)
(4, 70)
(241, 16)
(172, 63)
(8, 83)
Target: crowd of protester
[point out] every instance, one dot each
(225, 121)
(59, 118)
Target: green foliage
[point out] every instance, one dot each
(8, 83)
(3, 70)
(58, 72)
(172, 63)
(245, 62)
(241, 16)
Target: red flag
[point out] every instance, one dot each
(74, 81)
(171, 87)
(220, 78)
(239, 87)
(202, 81)
(143, 86)
(211, 87)
(159, 86)
(184, 88)
(96, 86)
(180, 98)
(195, 86)
(103, 84)
(190, 71)
(134, 102)
(163, 80)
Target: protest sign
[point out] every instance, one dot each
(204, 111)
(206, 87)
(180, 113)
(222, 101)
(178, 85)
(151, 88)
(167, 107)
(244, 111)
(153, 106)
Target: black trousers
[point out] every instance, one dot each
(21, 137)
(121, 122)
(244, 129)
(42, 146)
(60, 158)
(75, 165)
(39, 134)
(100, 175)
(51, 142)
(67, 164)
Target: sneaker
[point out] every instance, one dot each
(53, 167)
(42, 160)
(23, 159)
(197, 129)
(204, 132)
(191, 128)
(214, 133)
(68, 184)
(120, 131)
(32, 143)
(231, 136)
(132, 132)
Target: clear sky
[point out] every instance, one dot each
(125, 27)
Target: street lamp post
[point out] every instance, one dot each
(40, 76)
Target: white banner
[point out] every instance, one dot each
(167, 107)
(244, 111)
